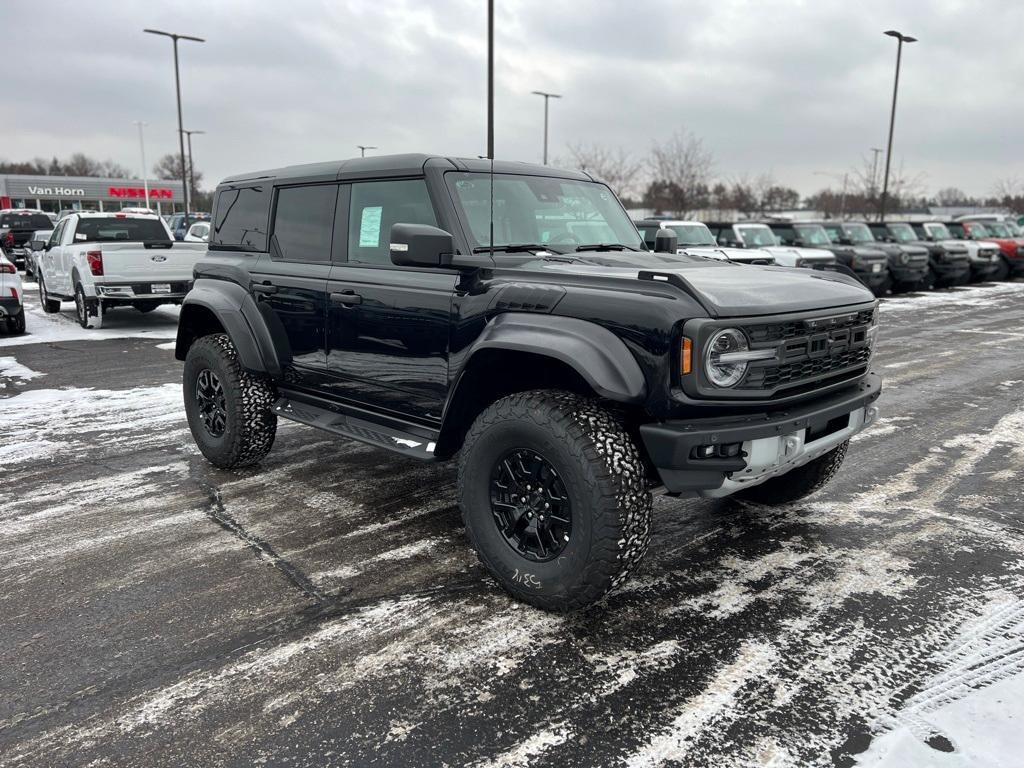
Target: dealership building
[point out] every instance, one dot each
(55, 193)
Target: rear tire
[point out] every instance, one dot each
(228, 408)
(589, 471)
(800, 482)
(50, 306)
(82, 307)
(16, 323)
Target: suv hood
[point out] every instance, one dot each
(816, 255)
(725, 289)
(741, 255)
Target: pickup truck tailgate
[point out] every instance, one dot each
(134, 263)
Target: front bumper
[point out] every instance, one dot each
(773, 443)
(908, 273)
(871, 277)
(981, 270)
(946, 271)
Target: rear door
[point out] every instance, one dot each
(387, 326)
(290, 283)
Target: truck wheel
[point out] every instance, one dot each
(82, 307)
(228, 408)
(1002, 271)
(554, 496)
(16, 323)
(50, 306)
(799, 482)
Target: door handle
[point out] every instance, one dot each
(265, 288)
(346, 297)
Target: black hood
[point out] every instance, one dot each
(724, 288)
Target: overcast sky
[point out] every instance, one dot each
(792, 88)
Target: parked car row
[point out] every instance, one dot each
(894, 256)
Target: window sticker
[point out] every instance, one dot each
(369, 227)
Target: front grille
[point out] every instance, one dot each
(809, 353)
(793, 329)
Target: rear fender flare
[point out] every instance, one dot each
(595, 353)
(259, 348)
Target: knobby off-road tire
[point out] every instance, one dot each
(603, 478)
(1002, 271)
(50, 306)
(249, 424)
(800, 482)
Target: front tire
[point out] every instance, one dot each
(800, 482)
(50, 306)
(228, 408)
(554, 496)
(1002, 271)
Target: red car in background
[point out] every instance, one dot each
(1010, 248)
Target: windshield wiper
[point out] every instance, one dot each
(513, 247)
(605, 247)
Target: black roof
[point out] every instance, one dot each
(399, 165)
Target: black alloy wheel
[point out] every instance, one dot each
(212, 405)
(530, 505)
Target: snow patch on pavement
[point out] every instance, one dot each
(123, 323)
(12, 369)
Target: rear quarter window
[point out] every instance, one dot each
(240, 217)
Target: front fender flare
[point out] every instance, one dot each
(594, 352)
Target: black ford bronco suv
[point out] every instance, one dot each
(517, 321)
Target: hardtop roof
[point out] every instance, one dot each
(398, 165)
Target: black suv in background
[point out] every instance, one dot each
(867, 264)
(567, 367)
(908, 264)
(948, 261)
(16, 228)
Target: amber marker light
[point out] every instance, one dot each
(685, 356)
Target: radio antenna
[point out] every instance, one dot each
(490, 110)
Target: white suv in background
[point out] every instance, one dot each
(696, 239)
(12, 306)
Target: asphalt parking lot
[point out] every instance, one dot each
(325, 608)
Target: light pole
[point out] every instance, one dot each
(142, 152)
(547, 98)
(490, 83)
(363, 147)
(177, 87)
(191, 168)
(901, 39)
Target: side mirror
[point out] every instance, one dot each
(420, 245)
(35, 245)
(666, 241)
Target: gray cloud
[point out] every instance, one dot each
(793, 87)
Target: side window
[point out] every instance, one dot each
(56, 235)
(304, 223)
(375, 207)
(240, 217)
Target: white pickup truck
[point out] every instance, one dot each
(104, 260)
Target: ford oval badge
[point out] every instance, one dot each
(158, 258)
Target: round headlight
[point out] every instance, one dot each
(722, 373)
(904, 257)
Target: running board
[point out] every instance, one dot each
(407, 443)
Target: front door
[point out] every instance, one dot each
(387, 326)
(290, 284)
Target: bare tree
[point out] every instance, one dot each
(615, 166)
(1008, 187)
(169, 167)
(950, 196)
(681, 171)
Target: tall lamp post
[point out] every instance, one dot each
(191, 167)
(901, 39)
(142, 152)
(490, 80)
(547, 98)
(177, 86)
(363, 147)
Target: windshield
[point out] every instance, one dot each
(1012, 226)
(902, 233)
(562, 214)
(938, 231)
(835, 232)
(25, 221)
(693, 234)
(975, 231)
(859, 233)
(812, 234)
(997, 229)
(114, 230)
(757, 235)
